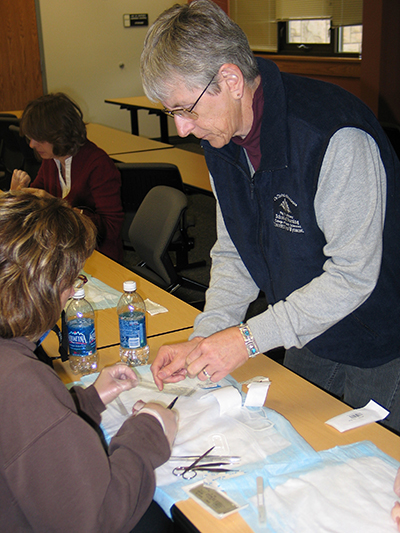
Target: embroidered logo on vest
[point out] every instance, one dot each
(285, 214)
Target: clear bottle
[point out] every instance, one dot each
(131, 311)
(81, 334)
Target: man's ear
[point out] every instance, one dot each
(232, 76)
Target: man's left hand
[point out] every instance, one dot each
(216, 356)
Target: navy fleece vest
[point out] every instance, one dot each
(270, 217)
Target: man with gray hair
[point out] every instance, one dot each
(307, 212)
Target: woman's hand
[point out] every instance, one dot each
(19, 180)
(396, 508)
(168, 417)
(113, 380)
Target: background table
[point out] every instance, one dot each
(134, 103)
(114, 141)
(192, 166)
(17, 113)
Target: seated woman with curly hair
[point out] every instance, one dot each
(55, 474)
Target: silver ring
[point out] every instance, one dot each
(206, 374)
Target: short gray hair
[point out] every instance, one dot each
(190, 43)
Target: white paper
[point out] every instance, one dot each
(372, 412)
(228, 398)
(257, 393)
(153, 308)
(351, 497)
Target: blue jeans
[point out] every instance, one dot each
(353, 385)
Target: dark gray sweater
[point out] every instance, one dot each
(54, 472)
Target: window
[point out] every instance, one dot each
(309, 31)
(314, 27)
(318, 37)
(311, 37)
(350, 39)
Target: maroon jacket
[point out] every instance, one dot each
(95, 188)
(54, 472)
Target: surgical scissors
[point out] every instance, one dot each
(189, 472)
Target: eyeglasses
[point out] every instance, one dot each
(80, 281)
(187, 113)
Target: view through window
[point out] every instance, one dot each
(349, 38)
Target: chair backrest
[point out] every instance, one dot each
(137, 179)
(31, 162)
(154, 226)
(6, 119)
(10, 154)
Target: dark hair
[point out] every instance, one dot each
(44, 243)
(56, 119)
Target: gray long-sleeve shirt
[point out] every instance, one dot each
(350, 211)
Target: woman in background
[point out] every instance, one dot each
(73, 167)
(55, 474)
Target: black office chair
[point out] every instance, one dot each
(32, 161)
(151, 232)
(137, 179)
(10, 154)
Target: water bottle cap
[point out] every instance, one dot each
(79, 293)
(129, 286)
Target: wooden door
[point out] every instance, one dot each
(20, 71)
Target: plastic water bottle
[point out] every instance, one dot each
(81, 334)
(131, 310)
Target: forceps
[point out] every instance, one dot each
(189, 472)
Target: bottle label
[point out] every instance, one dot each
(132, 330)
(81, 337)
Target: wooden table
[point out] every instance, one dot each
(134, 103)
(305, 406)
(192, 166)
(115, 142)
(109, 356)
(17, 113)
(180, 314)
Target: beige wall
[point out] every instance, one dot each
(84, 43)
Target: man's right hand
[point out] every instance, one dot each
(19, 180)
(170, 363)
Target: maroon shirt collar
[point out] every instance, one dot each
(252, 140)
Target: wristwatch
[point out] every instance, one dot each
(251, 345)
